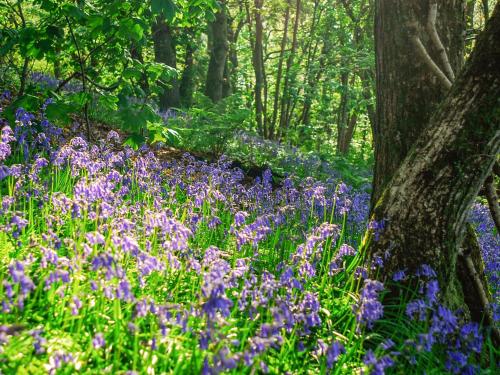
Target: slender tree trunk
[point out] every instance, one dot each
(343, 147)
(218, 56)
(408, 92)
(486, 9)
(469, 13)
(186, 88)
(57, 66)
(342, 112)
(233, 55)
(310, 86)
(286, 100)
(367, 84)
(136, 54)
(164, 49)
(231, 61)
(257, 59)
(426, 203)
(26, 61)
(279, 74)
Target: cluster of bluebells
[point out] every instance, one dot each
(47, 81)
(286, 157)
(181, 255)
(489, 241)
(441, 328)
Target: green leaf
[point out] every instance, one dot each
(109, 102)
(48, 5)
(59, 112)
(28, 102)
(132, 73)
(166, 8)
(135, 141)
(73, 12)
(96, 24)
(136, 118)
(8, 38)
(155, 70)
(131, 30)
(158, 132)
(53, 31)
(79, 99)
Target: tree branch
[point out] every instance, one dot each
(65, 82)
(430, 63)
(102, 87)
(431, 28)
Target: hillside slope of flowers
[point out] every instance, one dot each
(116, 261)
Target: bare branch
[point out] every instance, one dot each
(65, 81)
(430, 63)
(431, 28)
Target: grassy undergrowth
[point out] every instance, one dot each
(115, 261)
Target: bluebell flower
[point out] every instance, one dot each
(369, 309)
(455, 361)
(98, 341)
(333, 352)
(376, 365)
(399, 275)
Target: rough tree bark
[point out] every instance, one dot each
(426, 203)
(164, 48)
(218, 55)
(408, 92)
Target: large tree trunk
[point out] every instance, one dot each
(218, 56)
(426, 203)
(408, 92)
(164, 48)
